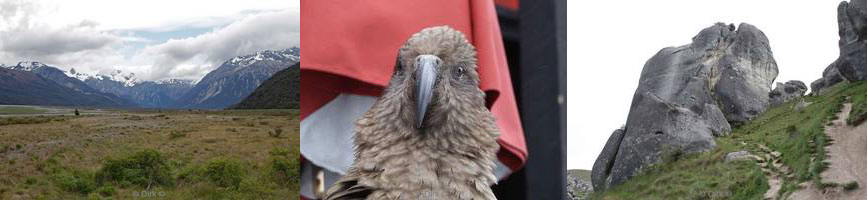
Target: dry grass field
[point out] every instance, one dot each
(183, 154)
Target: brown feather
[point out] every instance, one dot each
(451, 156)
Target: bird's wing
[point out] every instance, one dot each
(347, 188)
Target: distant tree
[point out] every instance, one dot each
(76, 112)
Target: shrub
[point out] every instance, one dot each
(851, 185)
(106, 190)
(225, 172)
(144, 168)
(282, 168)
(74, 181)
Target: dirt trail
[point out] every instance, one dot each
(847, 159)
(773, 168)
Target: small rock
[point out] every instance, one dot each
(739, 155)
(801, 105)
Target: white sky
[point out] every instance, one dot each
(114, 14)
(156, 39)
(609, 42)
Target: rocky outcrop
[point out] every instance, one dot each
(601, 172)
(686, 96)
(784, 92)
(851, 65)
(577, 188)
(747, 70)
(830, 76)
(852, 25)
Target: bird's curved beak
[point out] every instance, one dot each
(426, 76)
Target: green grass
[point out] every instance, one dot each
(797, 134)
(695, 176)
(859, 108)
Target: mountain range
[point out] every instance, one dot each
(234, 79)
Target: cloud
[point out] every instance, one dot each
(267, 30)
(23, 38)
(42, 41)
(187, 46)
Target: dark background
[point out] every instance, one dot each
(534, 35)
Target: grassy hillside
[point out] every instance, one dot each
(580, 173)
(797, 134)
(239, 154)
(281, 91)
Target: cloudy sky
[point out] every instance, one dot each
(156, 39)
(609, 42)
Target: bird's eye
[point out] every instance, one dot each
(461, 72)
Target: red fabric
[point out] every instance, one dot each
(351, 47)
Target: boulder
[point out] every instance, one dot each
(830, 76)
(747, 70)
(686, 96)
(784, 92)
(602, 167)
(852, 25)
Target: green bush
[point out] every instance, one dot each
(74, 181)
(283, 169)
(851, 186)
(144, 168)
(225, 172)
(106, 190)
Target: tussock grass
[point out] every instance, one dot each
(117, 156)
(29, 120)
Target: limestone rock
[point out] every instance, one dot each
(830, 76)
(747, 71)
(686, 96)
(852, 25)
(739, 155)
(785, 92)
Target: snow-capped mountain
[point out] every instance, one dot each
(292, 54)
(236, 78)
(78, 75)
(88, 95)
(148, 94)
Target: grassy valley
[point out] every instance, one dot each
(122, 154)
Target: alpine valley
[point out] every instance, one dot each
(36, 83)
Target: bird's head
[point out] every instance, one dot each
(436, 73)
